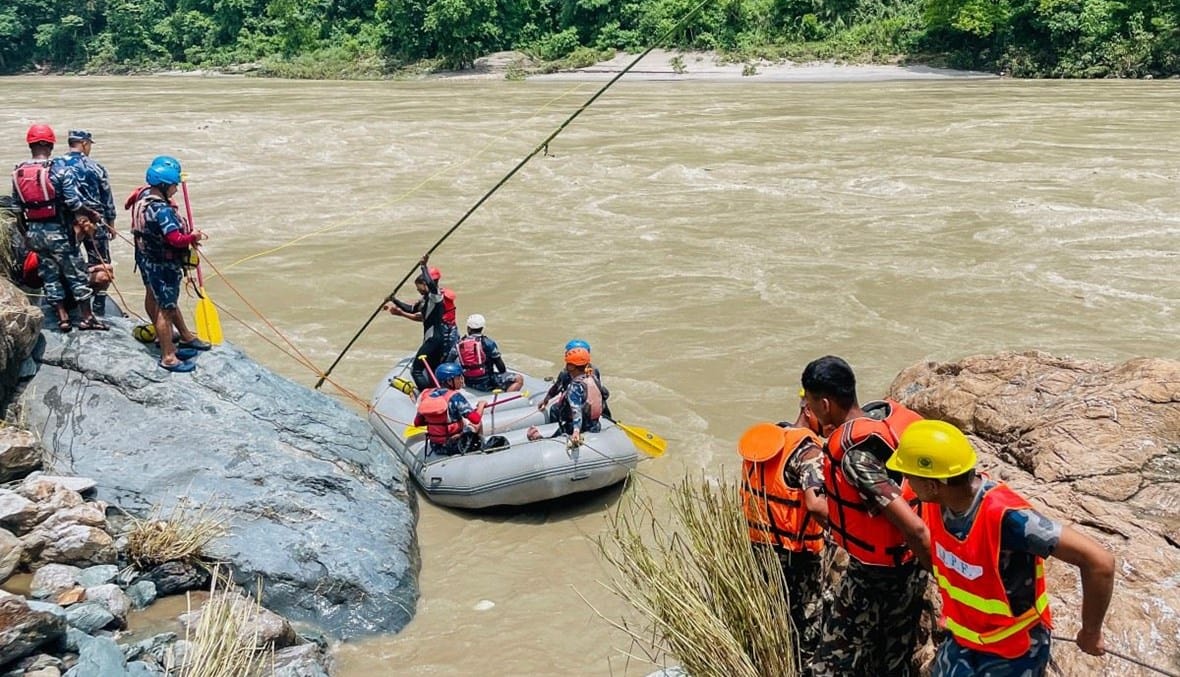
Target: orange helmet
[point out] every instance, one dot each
(40, 134)
(577, 356)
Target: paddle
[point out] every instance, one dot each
(412, 430)
(646, 441)
(208, 322)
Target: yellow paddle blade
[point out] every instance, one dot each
(412, 430)
(208, 323)
(648, 442)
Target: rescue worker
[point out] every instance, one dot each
(580, 407)
(483, 366)
(988, 548)
(452, 425)
(429, 311)
(162, 243)
(96, 221)
(44, 194)
(146, 333)
(872, 626)
(782, 497)
(563, 380)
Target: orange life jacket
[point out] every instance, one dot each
(775, 511)
(472, 357)
(870, 539)
(34, 187)
(975, 605)
(435, 410)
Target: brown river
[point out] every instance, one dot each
(708, 239)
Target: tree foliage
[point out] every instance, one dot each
(1055, 38)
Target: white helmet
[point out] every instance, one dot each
(476, 321)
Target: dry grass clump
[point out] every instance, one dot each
(714, 603)
(181, 535)
(222, 643)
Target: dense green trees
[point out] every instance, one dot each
(333, 38)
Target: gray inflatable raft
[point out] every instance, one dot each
(517, 474)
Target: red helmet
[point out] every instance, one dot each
(40, 134)
(435, 273)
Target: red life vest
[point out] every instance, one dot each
(33, 185)
(30, 274)
(448, 305)
(975, 607)
(593, 394)
(472, 357)
(870, 539)
(775, 511)
(435, 410)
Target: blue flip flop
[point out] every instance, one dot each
(180, 367)
(187, 353)
(195, 344)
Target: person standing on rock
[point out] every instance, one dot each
(872, 626)
(483, 366)
(782, 497)
(430, 311)
(44, 195)
(452, 424)
(988, 548)
(162, 242)
(95, 222)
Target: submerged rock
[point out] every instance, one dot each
(318, 508)
(1091, 444)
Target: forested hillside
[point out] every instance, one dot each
(373, 38)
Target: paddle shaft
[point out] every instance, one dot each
(543, 146)
(188, 212)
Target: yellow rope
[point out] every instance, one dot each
(407, 193)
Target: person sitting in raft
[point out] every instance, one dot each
(580, 409)
(429, 311)
(562, 382)
(452, 425)
(483, 366)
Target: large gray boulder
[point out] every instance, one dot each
(20, 325)
(320, 510)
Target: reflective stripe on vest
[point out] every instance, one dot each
(472, 357)
(435, 410)
(776, 513)
(870, 539)
(975, 604)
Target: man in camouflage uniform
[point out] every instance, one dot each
(96, 210)
(872, 625)
(59, 259)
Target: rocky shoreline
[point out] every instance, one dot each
(319, 521)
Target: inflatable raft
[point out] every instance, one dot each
(515, 471)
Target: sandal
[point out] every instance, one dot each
(186, 353)
(92, 323)
(195, 344)
(64, 326)
(179, 367)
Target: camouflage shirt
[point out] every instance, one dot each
(868, 475)
(805, 468)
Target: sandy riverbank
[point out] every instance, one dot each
(662, 65)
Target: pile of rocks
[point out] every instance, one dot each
(73, 620)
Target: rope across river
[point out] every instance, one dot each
(540, 147)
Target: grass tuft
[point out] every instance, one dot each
(181, 535)
(222, 643)
(711, 600)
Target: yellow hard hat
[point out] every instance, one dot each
(932, 449)
(761, 442)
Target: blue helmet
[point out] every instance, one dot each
(164, 171)
(447, 371)
(577, 343)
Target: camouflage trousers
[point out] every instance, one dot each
(59, 262)
(802, 572)
(872, 626)
(954, 660)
